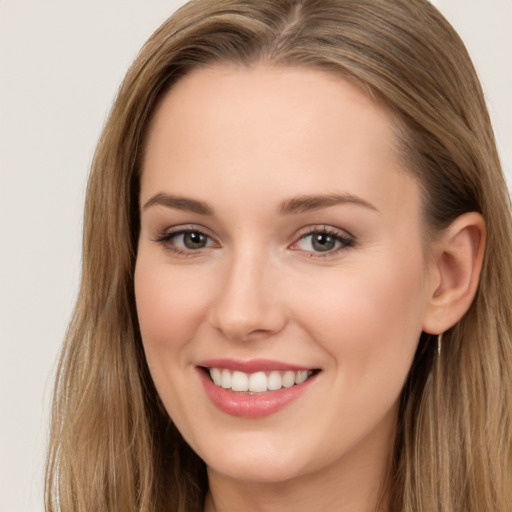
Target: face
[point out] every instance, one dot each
(281, 280)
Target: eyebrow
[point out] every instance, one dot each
(316, 202)
(291, 206)
(179, 203)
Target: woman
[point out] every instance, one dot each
(295, 279)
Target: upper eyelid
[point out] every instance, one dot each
(184, 228)
(324, 228)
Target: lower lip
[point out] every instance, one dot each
(245, 405)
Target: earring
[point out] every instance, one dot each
(439, 343)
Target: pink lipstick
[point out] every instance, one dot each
(256, 388)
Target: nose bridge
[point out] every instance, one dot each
(247, 303)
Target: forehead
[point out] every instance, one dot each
(283, 131)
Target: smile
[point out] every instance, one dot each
(258, 382)
(254, 389)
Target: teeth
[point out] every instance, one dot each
(226, 379)
(274, 381)
(216, 376)
(288, 379)
(258, 382)
(301, 377)
(240, 382)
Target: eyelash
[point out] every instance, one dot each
(166, 237)
(345, 241)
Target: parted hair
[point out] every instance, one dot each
(112, 445)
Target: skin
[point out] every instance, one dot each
(244, 141)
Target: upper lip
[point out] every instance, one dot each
(251, 366)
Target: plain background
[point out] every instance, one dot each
(60, 65)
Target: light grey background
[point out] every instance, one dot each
(60, 65)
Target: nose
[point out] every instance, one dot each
(247, 305)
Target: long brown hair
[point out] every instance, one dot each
(112, 445)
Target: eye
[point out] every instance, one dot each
(191, 240)
(184, 240)
(325, 240)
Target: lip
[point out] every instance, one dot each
(252, 366)
(247, 405)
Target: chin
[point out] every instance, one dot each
(256, 470)
(257, 460)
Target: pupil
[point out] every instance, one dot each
(194, 240)
(323, 242)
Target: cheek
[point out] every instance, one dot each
(369, 323)
(368, 318)
(169, 304)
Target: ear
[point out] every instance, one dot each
(456, 263)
